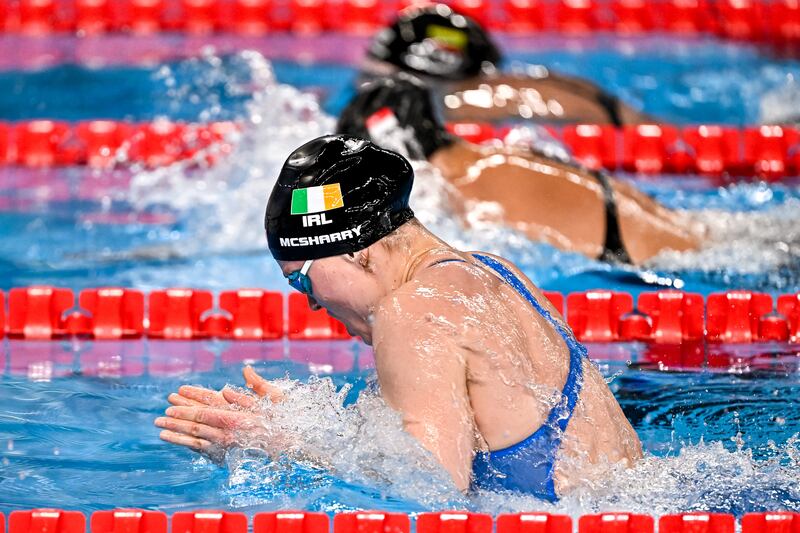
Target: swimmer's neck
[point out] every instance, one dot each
(398, 263)
(393, 263)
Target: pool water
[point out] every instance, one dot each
(201, 227)
(76, 424)
(677, 80)
(76, 432)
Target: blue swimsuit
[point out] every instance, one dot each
(528, 466)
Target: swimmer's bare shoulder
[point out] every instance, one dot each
(537, 293)
(421, 367)
(432, 306)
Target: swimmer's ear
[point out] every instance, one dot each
(363, 260)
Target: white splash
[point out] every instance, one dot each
(743, 242)
(224, 203)
(782, 104)
(702, 477)
(319, 436)
(358, 456)
(221, 207)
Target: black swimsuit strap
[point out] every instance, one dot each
(614, 250)
(611, 104)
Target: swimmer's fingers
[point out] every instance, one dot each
(245, 401)
(218, 418)
(184, 440)
(177, 399)
(203, 396)
(201, 432)
(261, 386)
(194, 443)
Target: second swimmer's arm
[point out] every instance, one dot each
(423, 377)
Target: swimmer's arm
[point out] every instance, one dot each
(424, 378)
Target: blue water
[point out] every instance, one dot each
(75, 243)
(76, 418)
(76, 431)
(88, 243)
(678, 81)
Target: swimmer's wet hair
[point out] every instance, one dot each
(399, 238)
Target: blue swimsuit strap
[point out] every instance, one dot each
(561, 414)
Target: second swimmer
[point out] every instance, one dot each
(563, 204)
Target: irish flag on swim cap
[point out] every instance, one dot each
(316, 199)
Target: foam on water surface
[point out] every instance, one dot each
(66, 441)
(220, 208)
(362, 449)
(72, 428)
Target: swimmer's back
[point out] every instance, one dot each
(551, 97)
(517, 364)
(563, 204)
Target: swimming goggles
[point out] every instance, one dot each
(299, 279)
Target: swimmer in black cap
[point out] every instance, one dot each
(561, 203)
(454, 53)
(484, 371)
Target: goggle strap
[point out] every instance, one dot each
(306, 267)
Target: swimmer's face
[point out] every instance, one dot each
(343, 287)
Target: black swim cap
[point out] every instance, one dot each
(335, 195)
(436, 41)
(396, 113)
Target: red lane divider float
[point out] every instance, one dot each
(697, 523)
(616, 523)
(371, 522)
(305, 324)
(660, 318)
(776, 23)
(534, 523)
(127, 521)
(105, 143)
(209, 522)
(36, 312)
(768, 152)
(675, 317)
(213, 521)
(595, 316)
(454, 522)
(290, 521)
(789, 307)
(2, 319)
(46, 521)
(771, 522)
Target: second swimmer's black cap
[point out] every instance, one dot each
(335, 195)
(436, 41)
(398, 113)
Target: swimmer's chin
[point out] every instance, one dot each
(365, 337)
(354, 331)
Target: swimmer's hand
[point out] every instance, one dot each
(210, 421)
(189, 395)
(261, 386)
